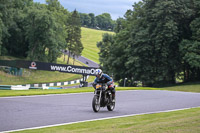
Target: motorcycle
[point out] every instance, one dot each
(102, 97)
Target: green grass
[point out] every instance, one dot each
(36, 77)
(90, 37)
(6, 93)
(10, 58)
(186, 87)
(184, 121)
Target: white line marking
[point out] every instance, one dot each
(114, 117)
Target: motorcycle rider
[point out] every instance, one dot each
(104, 78)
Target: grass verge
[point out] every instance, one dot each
(184, 121)
(36, 77)
(184, 87)
(6, 93)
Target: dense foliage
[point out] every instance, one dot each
(103, 21)
(36, 31)
(157, 43)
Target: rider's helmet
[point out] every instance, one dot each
(99, 73)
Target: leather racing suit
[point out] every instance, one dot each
(108, 80)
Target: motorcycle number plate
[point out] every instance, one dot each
(98, 86)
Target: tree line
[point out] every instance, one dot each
(103, 21)
(157, 43)
(37, 31)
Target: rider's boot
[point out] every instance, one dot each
(113, 93)
(113, 97)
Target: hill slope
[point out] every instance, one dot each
(90, 37)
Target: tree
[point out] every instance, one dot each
(104, 21)
(105, 47)
(62, 16)
(112, 56)
(1, 33)
(154, 58)
(73, 40)
(53, 5)
(191, 58)
(93, 20)
(44, 35)
(6, 21)
(37, 31)
(13, 20)
(190, 46)
(119, 25)
(162, 17)
(85, 19)
(157, 41)
(17, 43)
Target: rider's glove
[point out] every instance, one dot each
(109, 83)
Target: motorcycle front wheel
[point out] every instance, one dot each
(95, 104)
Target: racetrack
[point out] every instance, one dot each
(36, 111)
(84, 60)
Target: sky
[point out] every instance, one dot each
(116, 8)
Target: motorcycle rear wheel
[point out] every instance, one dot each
(95, 104)
(111, 106)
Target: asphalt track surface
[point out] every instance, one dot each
(36, 111)
(84, 60)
